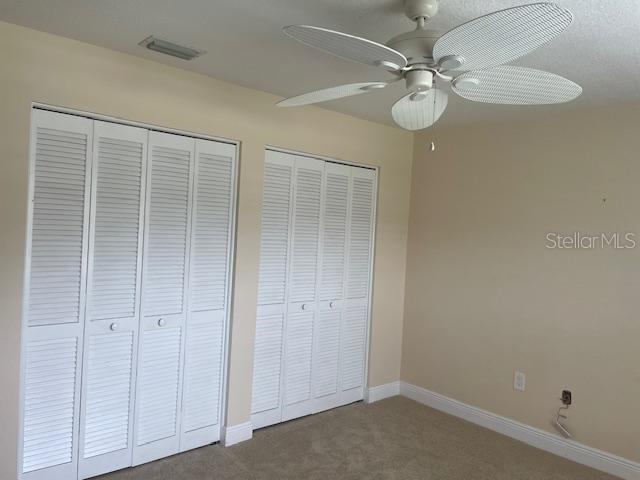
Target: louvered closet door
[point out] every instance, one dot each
(272, 289)
(113, 289)
(331, 274)
(356, 306)
(54, 295)
(165, 271)
(301, 307)
(208, 293)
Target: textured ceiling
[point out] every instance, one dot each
(245, 46)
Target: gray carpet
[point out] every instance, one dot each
(391, 439)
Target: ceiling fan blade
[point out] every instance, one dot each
(503, 36)
(416, 111)
(332, 93)
(347, 46)
(510, 85)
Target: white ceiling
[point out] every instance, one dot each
(245, 46)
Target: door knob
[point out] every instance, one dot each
(113, 326)
(304, 306)
(162, 322)
(331, 304)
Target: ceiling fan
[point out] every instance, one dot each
(471, 57)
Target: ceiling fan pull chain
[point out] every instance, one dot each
(432, 145)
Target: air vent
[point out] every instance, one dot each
(169, 48)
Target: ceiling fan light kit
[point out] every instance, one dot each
(450, 62)
(471, 57)
(419, 80)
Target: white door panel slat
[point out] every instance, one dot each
(298, 357)
(49, 407)
(353, 346)
(276, 203)
(209, 259)
(164, 297)
(210, 232)
(268, 354)
(115, 245)
(331, 271)
(168, 202)
(359, 260)
(203, 374)
(362, 201)
(334, 235)
(327, 353)
(302, 285)
(114, 276)
(159, 374)
(60, 185)
(267, 363)
(108, 391)
(54, 301)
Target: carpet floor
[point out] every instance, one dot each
(394, 439)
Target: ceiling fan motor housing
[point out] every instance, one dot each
(416, 46)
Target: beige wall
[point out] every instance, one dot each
(485, 297)
(44, 68)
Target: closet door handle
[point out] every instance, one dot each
(331, 304)
(114, 326)
(304, 306)
(162, 322)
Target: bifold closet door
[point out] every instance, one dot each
(54, 299)
(272, 289)
(282, 386)
(113, 291)
(127, 280)
(355, 314)
(301, 301)
(210, 263)
(331, 276)
(313, 290)
(164, 297)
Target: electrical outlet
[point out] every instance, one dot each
(519, 381)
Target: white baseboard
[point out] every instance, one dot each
(380, 392)
(577, 452)
(237, 433)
